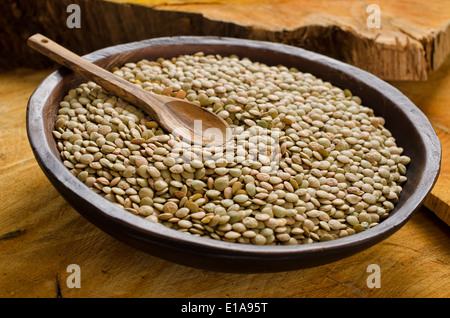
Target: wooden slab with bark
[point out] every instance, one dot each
(413, 39)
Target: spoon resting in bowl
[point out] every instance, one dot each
(188, 121)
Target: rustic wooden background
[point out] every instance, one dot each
(413, 41)
(40, 234)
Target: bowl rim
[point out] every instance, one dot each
(139, 228)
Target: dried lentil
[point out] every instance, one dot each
(338, 170)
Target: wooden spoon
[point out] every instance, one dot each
(184, 119)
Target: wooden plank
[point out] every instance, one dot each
(413, 41)
(433, 98)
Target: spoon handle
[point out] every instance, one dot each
(112, 83)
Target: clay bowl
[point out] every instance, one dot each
(406, 122)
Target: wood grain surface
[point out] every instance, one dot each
(433, 98)
(41, 235)
(413, 39)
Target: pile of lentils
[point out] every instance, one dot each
(338, 169)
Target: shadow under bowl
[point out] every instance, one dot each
(407, 123)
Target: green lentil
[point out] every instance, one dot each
(339, 170)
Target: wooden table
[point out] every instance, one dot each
(41, 235)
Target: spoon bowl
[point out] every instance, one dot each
(205, 127)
